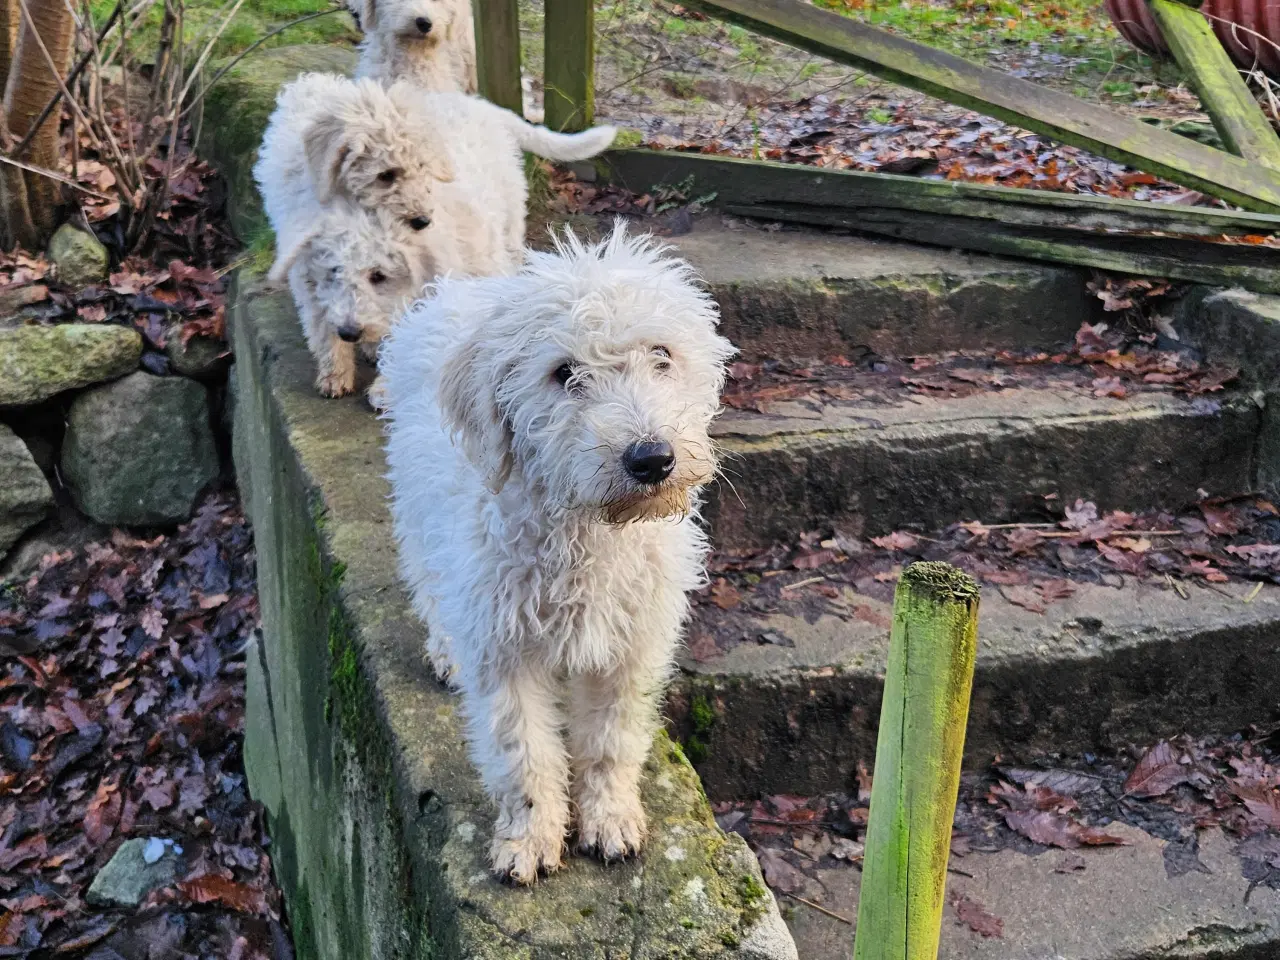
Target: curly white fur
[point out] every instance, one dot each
(369, 181)
(553, 582)
(430, 43)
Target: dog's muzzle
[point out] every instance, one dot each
(349, 334)
(649, 461)
(423, 24)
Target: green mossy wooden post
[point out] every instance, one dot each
(569, 41)
(498, 52)
(1236, 115)
(917, 771)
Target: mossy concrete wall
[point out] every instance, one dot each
(379, 825)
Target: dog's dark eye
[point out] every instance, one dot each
(664, 358)
(563, 374)
(376, 277)
(388, 176)
(420, 223)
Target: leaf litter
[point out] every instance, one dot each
(122, 711)
(1231, 783)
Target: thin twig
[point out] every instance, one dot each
(821, 909)
(52, 175)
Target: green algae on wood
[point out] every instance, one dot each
(570, 74)
(1239, 119)
(497, 27)
(917, 771)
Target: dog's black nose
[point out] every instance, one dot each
(649, 461)
(423, 25)
(349, 334)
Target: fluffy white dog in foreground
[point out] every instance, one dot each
(547, 439)
(430, 43)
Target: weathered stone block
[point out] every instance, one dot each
(37, 363)
(140, 451)
(79, 256)
(25, 497)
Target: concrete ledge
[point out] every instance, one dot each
(380, 827)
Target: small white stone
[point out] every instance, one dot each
(154, 850)
(664, 782)
(466, 831)
(696, 890)
(675, 853)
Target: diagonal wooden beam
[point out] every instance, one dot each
(1241, 122)
(1049, 112)
(1124, 236)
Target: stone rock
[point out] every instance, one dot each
(37, 363)
(79, 257)
(138, 867)
(25, 497)
(140, 451)
(201, 357)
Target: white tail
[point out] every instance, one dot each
(564, 147)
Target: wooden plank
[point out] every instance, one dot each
(498, 52)
(1150, 257)
(570, 73)
(1049, 112)
(927, 686)
(1232, 108)
(740, 181)
(1123, 236)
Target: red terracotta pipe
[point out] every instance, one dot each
(1232, 21)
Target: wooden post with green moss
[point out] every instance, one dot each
(1232, 108)
(570, 57)
(917, 770)
(497, 28)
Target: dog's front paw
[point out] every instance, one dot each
(336, 384)
(377, 394)
(612, 831)
(521, 855)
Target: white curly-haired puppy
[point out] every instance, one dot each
(484, 143)
(351, 274)
(546, 443)
(330, 138)
(428, 42)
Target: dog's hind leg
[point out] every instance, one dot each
(613, 717)
(515, 731)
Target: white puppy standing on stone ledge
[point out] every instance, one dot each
(547, 440)
(430, 43)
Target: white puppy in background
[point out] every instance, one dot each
(546, 444)
(430, 43)
(351, 274)
(331, 138)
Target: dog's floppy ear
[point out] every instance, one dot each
(288, 256)
(327, 145)
(441, 168)
(468, 398)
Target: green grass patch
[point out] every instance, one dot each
(253, 21)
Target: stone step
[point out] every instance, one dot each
(1107, 903)
(869, 467)
(808, 293)
(1100, 669)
